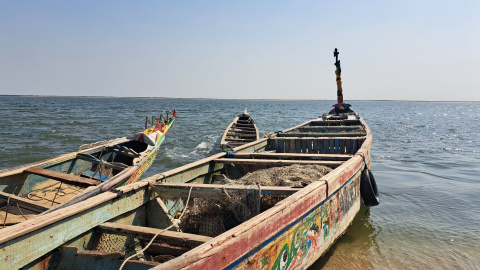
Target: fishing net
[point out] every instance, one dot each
(111, 242)
(211, 217)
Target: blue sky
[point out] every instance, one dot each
(394, 50)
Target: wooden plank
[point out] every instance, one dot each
(270, 144)
(309, 146)
(163, 248)
(63, 177)
(348, 146)
(278, 162)
(304, 145)
(158, 215)
(293, 155)
(342, 147)
(292, 146)
(13, 219)
(281, 147)
(72, 257)
(146, 233)
(315, 147)
(286, 145)
(298, 146)
(213, 191)
(241, 135)
(32, 205)
(326, 146)
(337, 146)
(332, 146)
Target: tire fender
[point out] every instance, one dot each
(368, 188)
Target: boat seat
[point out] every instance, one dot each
(62, 177)
(213, 191)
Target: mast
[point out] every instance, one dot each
(338, 73)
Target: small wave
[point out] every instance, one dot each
(203, 145)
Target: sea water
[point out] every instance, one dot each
(425, 159)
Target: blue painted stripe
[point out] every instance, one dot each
(277, 235)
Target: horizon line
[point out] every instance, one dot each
(252, 99)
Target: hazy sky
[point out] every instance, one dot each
(400, 50)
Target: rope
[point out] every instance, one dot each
(18, 207)
(57, 193)
(153, 239)
(100, 165)
(34, 193)
(6, 211)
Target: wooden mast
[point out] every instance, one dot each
(338, 72)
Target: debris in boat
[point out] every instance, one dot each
(211, 217)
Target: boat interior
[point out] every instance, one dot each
(217, 200)
(32, 189)
(241, 131)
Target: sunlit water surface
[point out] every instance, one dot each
(425, 160)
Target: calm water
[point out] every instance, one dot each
(425, 160)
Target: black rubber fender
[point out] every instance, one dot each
(368, 188)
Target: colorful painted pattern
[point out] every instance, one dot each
(308, 237)
(152, 154)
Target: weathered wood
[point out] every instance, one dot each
(213, 191)
(246, 135)
(315, 147)
(146, 233)
(342, 146)
(304, 145)
(32, 205)
(13, 218)
(298, 146)
(63, 177)
(158, 215)
(278, 162)
(293, 156)
(281, 147)
(73, 258)
(292, 146)
(21, 244)
(309, 146)
(164, 248)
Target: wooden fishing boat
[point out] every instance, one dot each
(277, 203)
(242, 130)
(291, 227)
(43, 186)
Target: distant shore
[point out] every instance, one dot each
(350, 100)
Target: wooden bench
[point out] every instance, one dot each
(63, 177)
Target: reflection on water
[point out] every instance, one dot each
(353, 249)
